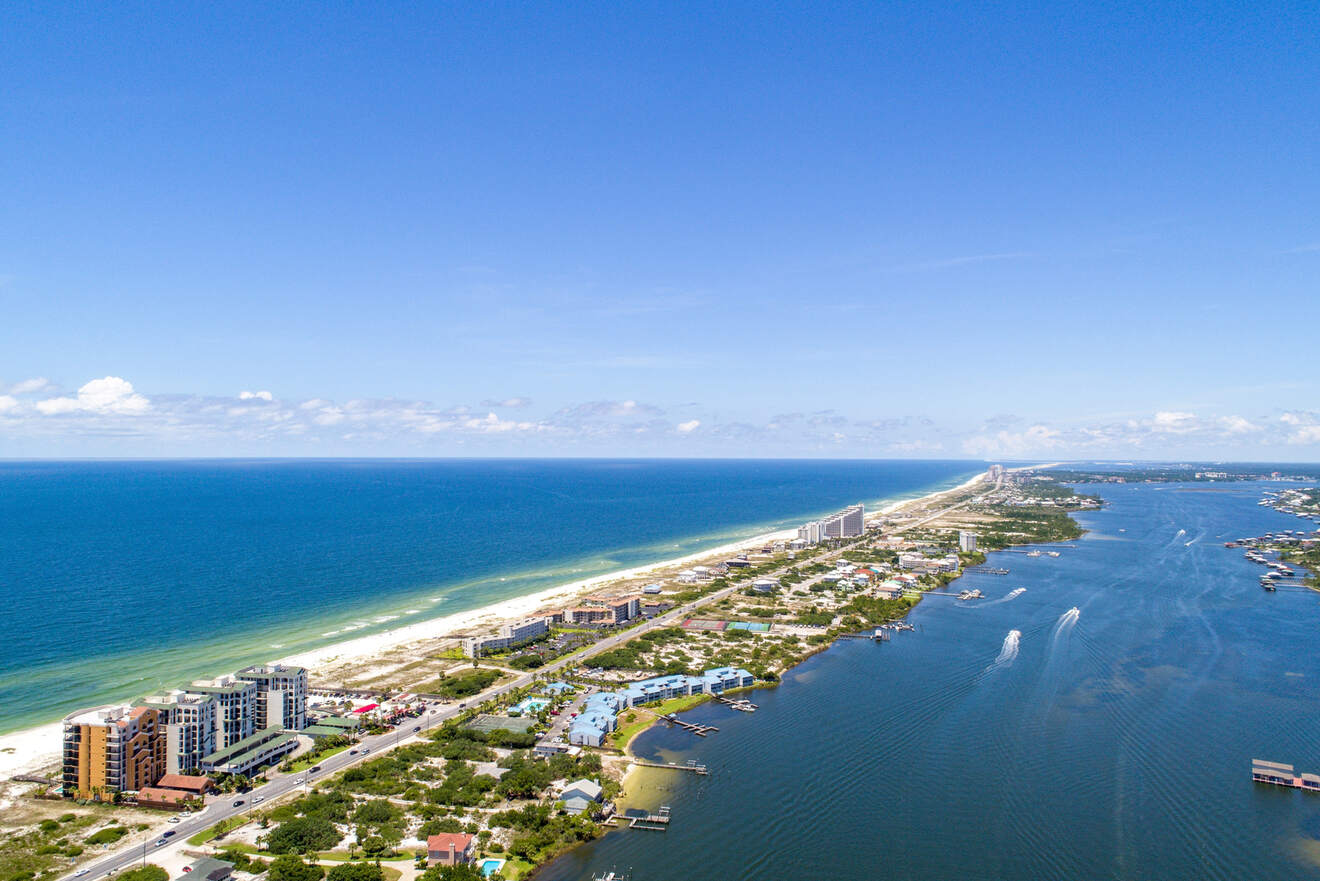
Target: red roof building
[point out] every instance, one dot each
(450, 848)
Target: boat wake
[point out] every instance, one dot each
(1067, 621)
(1011, 595)
(1009, 651)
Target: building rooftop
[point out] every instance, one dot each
(262, 739)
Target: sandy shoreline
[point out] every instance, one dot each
(34, 748)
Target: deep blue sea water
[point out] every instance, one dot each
(1114, 742)
(123, 578)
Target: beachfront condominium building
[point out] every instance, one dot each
(189, 721)
(966, 541)
(236, 702)
(281, 695)
(811, 532)
(112, 749)
(848, 523)
(508, 636)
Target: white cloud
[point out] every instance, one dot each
(689, 427)
(28, 386)
(7, 403)
(508, 403)
(109, 395)
(1238, 425)
(1175, 422)
(258, 396)
(1035, 440)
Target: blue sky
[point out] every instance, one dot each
(999, 230)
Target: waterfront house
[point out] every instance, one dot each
(450, 848)
(581, 795)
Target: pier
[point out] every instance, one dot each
(989, 570)
(1278, 774)
(694, 767)
(699, 730)
(742, 705)
(657, 822)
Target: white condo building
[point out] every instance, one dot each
(507, 636)
(966, 541)
(281, 696)
(848, 523)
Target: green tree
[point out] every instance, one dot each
(292, 868)
(303, 835)
(461, 872)
(149, 872)
(355, 872)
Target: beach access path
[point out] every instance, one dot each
(224, 807)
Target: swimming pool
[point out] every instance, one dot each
(490, 867)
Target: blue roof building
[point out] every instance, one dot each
(559, 688)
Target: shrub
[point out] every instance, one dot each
(303, 835)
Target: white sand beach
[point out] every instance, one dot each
(36, 748)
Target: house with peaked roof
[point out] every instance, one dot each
(450, 848)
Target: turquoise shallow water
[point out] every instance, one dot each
(120, 578)
(1114, 742)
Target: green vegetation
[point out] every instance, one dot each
(464, 684)
(323, 749)
(355, 872)
(219, 829)
(108, 835)
(293, 868)
(149, 872)
(302, 835)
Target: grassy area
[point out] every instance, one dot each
(313, 757)
(221, 828)
(644, 719)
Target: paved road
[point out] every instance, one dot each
(223, 807)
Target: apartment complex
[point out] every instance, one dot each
(507, 636)
(190, 726)
(112, 749)
(281, 695)
(235, 701)
(848, 523)
(966, 541)
(219, 724)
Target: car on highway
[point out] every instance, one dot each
(173, 820)
(417, 728)
(300, 780)
(259, 799)
(238, 803)
(365, 750)
(161, 842)
(168, 833)
(352, 752)
(314, 770)
(81, 872)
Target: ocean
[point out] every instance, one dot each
(1095, 717)
(130, 577)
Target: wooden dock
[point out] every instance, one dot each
(740, 704)
(657, 822)
(699, 730)
(694, 767)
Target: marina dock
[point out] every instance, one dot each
(657, 822)
(1278, 774)
(742, 705)
(699, 730)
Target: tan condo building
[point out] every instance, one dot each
(112, 749)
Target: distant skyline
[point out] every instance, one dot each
(1021, 231)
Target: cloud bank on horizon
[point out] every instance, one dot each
(109, 416)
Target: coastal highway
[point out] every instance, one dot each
(223, 807)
